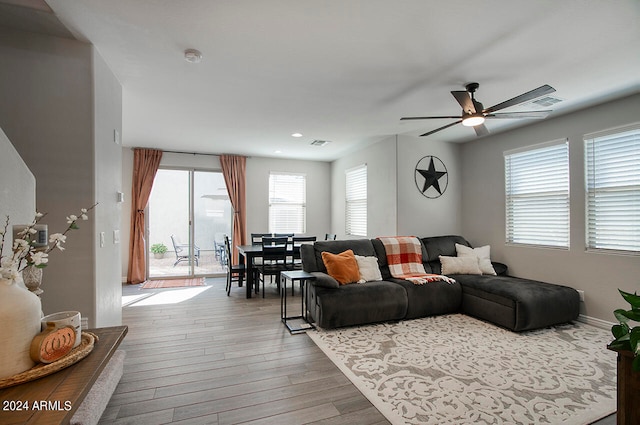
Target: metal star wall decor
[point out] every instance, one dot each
(431, 176)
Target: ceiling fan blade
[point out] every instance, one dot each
(525, 97)
(441, 128)
(429, 118)
(527, 114)
(464, 100)
(481, 130)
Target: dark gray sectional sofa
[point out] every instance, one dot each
(510, 302)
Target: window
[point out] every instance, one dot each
(356, 202)
(613, 190)
(537, 195)
(287, 203)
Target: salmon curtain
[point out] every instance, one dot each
(234, 170)
(145, 166)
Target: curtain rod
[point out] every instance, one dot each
(198, 153)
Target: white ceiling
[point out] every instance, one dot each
(346, 70)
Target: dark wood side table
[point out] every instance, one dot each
(294, 276)
(628, 412)
(61, 393)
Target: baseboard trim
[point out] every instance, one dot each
(594, 321)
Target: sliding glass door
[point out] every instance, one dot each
(188, 214)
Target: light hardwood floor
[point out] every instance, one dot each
(213, 359)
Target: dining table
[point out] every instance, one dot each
(248, 254)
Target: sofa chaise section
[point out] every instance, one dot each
(514, 303)
(518, 304)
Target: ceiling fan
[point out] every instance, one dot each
(474, 114)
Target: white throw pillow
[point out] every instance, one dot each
(481, 253)
(369, 270)
(459, 265)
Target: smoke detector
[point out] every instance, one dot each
(192, 56)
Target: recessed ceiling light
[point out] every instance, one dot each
(296, 135)
(278, 151)
(192, 56)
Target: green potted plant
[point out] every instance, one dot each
(627, 338)
(627, 345)
(158, 250)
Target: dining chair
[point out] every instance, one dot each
(235, 272)
(329, 237)
(296, 261)
(274, 259)
(256, 238)
(182, 251)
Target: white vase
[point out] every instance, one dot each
(20, 314)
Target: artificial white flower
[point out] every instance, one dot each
(71, 219)
(58, 239)
(8, 270)
(20, 245)
(40, 258)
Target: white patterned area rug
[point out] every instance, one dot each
(455, 369)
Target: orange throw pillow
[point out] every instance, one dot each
(342, 267)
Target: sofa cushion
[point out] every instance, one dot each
(350, 305)
(431, 299)
(500, 268)
(343, 267)
(312, 254)
(441, 245)
(459, 265)
(368, 267)
(481, 254)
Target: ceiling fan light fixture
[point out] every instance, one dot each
(473, 120)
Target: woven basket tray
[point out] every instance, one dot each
(42, 370)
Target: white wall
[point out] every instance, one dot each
(417, 214)
(46, 111)
(381, 188)
(17, 190)
(483, 206)
(52, 90)
(108, 181)
(318, 175)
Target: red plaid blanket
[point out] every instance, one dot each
(404, 256)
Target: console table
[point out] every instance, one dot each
(61, 393)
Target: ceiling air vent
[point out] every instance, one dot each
(546, 101)
(320, 142)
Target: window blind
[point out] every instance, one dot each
(613, 190)
(287, 203)
(356, 202)
(537, 195)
